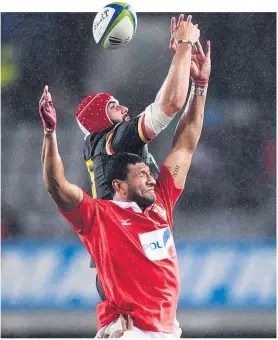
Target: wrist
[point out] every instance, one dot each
(48, 133)
(200, 82)
(199, 88)
(184, 47)
(185, 41)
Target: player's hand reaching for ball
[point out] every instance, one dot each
(200, 62)
(187, 31)
(47, 111)
(173, 28)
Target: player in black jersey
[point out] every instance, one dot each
(108, 128)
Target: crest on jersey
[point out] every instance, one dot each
(160, 211)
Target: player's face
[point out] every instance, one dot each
(140, 185)
(117, 113)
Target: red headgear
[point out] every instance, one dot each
(91, 113)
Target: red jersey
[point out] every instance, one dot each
(135, 256)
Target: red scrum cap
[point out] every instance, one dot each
(91, 113)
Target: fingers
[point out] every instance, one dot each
(188, 30)
(173, 25)
(45, 99)
(123, 323)
(41, 100)
(180, 20)
(194, 58)
(44, 96)
(208, 49)
(47, 94)
(194, 49)
(49, 98)
(199, 47)
(129, 322)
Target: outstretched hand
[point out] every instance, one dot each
(200, 62)
(173, 28)
(47, 111)
(182, 30)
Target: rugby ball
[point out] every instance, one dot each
(115, 25)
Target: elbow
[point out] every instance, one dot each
(171, 103)
(51, 185)
(51, 189)
(172, 107)
(191, 147)
(55, 192)
(178, 103)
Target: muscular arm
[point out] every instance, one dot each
(172, 94)
(186, 138)
(157, 116)
(172, 45)
(67, 196)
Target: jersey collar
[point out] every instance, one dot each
(132, 205)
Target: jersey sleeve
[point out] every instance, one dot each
(82, 217)
(166, 190)
(131, 135)
(126, 137)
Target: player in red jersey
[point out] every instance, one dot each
(130, 238)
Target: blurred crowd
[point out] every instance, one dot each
(230, 191)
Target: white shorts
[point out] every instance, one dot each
(112, 330)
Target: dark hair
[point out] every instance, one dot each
(116, 167)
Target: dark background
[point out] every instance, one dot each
(231, 187)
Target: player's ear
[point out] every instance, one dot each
(118, 186)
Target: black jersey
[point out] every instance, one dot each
(124, 137)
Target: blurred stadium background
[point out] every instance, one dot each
(225, 221)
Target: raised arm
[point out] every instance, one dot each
(172, 94)
(172, 44)
(190, 124)
(67, 196)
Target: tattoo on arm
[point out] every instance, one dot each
(175, 171)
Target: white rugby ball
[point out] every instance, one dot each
(115, 25)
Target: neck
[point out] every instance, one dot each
(120, 198)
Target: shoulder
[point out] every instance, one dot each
(165, 186)
(99, 205)
(94, 138)
(127, 124)
(94, 143)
